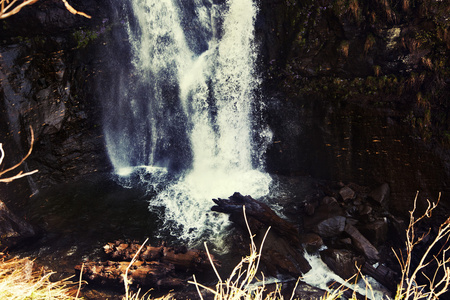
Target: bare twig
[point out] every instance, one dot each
(74, 11)
(12, 7)
(127, 281)
(409, 288)
(20, 174)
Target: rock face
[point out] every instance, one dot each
(360, 89)
(44, 72)
(13, 230)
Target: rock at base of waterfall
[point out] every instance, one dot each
(362, 244)
(331, 227)
(283, 252)
(347, 193)
(311, 242)
(342, 262)
(376, 231)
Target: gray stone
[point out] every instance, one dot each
(362, 244)
(331, 227)
(311, 242)
(307, 292)
(347, 193)
(376, 232)
(342, 262)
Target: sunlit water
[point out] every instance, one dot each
(189, 115)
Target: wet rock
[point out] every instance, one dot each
(181, 258)
(149, 274)
(159, 266)
(397, 228)
(284, 252)
(346, 242)
(347, 193)
(309, 209)
(329, 208)
(384, 275)
(343, 262)
(331, 227)
(364, 210)
(376, 232)
(381, 195)
(311, 242)
(362, 244)
(307, 292)
(13, 230)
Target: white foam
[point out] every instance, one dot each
(320, 275)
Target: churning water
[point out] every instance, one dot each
(186, 121)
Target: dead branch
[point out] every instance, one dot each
(21, 173)
(75, 12)
(12, 7)
(409, 287)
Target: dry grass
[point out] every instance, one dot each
(19, 280)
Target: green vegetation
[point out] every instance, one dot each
(84, 37)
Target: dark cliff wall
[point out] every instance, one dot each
(359, 90)
(49, 62)
(385, 52)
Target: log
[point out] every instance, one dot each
(182, 258)
(362, 244)
(282, 253)
(384, 275)
(152, 274)
(160, 266)
(259, 211)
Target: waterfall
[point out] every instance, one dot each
(184, 119)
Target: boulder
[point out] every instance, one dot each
(283, 252)
(329, 208)
(376, 232)
(342, 262)
(330, 227)
(347, 193)
(306, 292)
(13, 230)
(362, 244)
(311, 242)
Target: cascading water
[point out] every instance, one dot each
(184, 120)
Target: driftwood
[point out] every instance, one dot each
(384, 275)
(182, 258)
(282, 252)
(159, 266)
(260, 212)
(154, 274)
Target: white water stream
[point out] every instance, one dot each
(189, 123)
